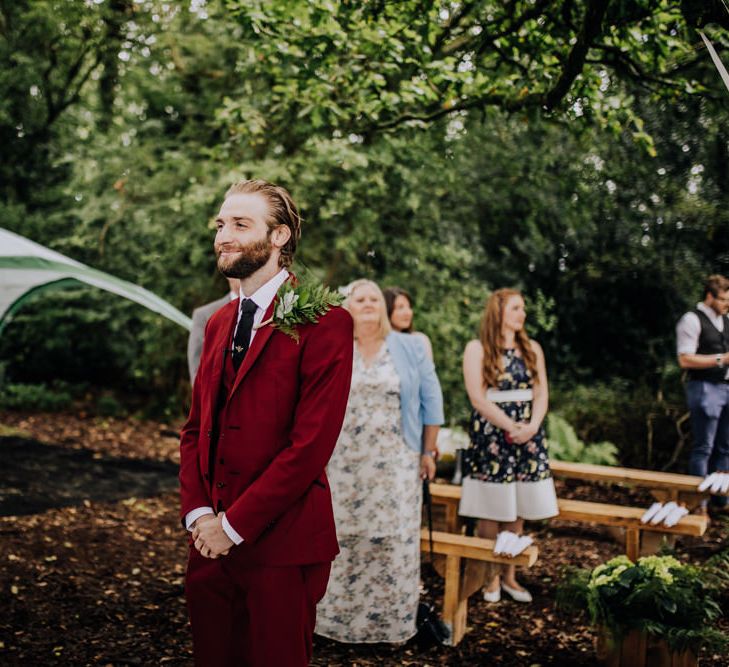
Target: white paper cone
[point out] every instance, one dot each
(650, 512)
(675, 516)
(663, 513)
(717, 483)
(509, 542)
(707, 482)
(522, 543)
(725, 483)
(499, 546)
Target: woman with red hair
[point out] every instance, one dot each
(507, 477)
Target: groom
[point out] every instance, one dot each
(266, 413)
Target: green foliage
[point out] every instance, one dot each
(107, 405)
(657, 595)
(40, 397)
(446, 148)
(49, 51)
(716, 569)
(564, 445)
(362, 67)
(645, 424)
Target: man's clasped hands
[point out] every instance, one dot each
(209, 537)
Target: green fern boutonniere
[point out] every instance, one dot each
(298, 304)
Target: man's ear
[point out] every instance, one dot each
(280, 236)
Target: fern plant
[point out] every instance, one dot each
(565, 445)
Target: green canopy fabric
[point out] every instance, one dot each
(26, 267)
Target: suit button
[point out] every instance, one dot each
(206, 477)
(220, 485)
(210, 434)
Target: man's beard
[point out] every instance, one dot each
(251, 258)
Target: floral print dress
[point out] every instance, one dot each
(376, 491)
(504, 480)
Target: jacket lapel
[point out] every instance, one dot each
(259, 342)
(221, 348)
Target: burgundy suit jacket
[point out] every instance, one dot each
(276, 431)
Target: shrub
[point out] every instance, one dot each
(41, 397)
(107, 405)
(658, 596)
(649, 426)
(564, 445)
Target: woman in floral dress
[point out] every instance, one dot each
(387, 446)
(507, 477)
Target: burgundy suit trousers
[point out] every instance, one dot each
(252, 616)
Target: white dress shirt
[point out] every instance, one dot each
(262, 297)
(688, 329)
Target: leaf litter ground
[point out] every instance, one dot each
(92, 560)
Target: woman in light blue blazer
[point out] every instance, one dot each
(387, 446)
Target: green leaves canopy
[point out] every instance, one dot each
(360, 67)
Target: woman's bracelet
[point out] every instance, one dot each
(431, 452)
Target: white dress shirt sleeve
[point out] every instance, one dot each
(195, 514)
(688, 331)
(192, 516)
(230, 531)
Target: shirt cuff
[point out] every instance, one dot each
(230, 531)
(686, 349)
(194, 515)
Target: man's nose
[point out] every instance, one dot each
(223, 235)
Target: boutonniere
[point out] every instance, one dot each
(298, 304)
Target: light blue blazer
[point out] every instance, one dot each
(421, 399)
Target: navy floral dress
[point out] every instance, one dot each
(504, 480)
(491, 457)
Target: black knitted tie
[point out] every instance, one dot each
(243, 332)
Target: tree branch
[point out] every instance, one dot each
(590, 29)
(454, 23)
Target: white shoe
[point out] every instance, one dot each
(491, 596)
(516, 594)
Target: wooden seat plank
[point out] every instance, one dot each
(627, 517)
(651, 479)
(477, 548)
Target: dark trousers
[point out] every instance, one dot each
(252, 616)
(708, 403)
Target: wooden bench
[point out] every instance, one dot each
(580, 510)
(628, 518)
(663, 485)
(466, 570)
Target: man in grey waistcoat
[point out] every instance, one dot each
(703, 350)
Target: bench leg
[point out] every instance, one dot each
(692, 500)
(632, 543)
(476, 573)
(665, 495)
(439, 564)
(454, 606)
(452, 523)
